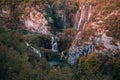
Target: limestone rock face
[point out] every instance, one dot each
(35, 21)
(92, 34)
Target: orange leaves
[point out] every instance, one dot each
(82, 59)
(90, 63)
(19, 36)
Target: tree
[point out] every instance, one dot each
(12, 65)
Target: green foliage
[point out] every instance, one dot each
(115, 69)
(98, 67)
(40, 40)
(92, 63)
(59, 74)
(4, 37)
(13, 51)
(12, 65)
(13, 61)
(15, 66)
(49, 54)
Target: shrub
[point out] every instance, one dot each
(66, 39)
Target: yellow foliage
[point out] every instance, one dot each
(82, 59)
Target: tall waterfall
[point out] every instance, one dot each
(81, 17)
(52, 40)
(34, 49)
(64, 21)
(54, 45)
(90, 12)
(80, 24)
(75, 53)
(84, 18)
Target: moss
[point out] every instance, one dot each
(40, 40)
(49, 54)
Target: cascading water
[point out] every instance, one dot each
(89, 15)
(76, 52)
(62, 55)
(34, 49)
(76, 19)
(64, 21)
(57, 60)
(81, 17)
(54, 45)
(84, 25)
(90, 12)
(84, 18)
(52, 40)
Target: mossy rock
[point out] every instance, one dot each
(49, 54)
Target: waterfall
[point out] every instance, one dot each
(90, 12)
(76, 19)
(62, 55)
(82, 22)
(64, 21)
(52, 40)
(89, 15)
(34, 49)
(75, 53)
(27, 44)
(84, 25)
(54, 45)
(81, 17)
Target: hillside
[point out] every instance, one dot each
(60, 40)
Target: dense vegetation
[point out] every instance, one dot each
(14, 64)
(53, 8)
(18, 62)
